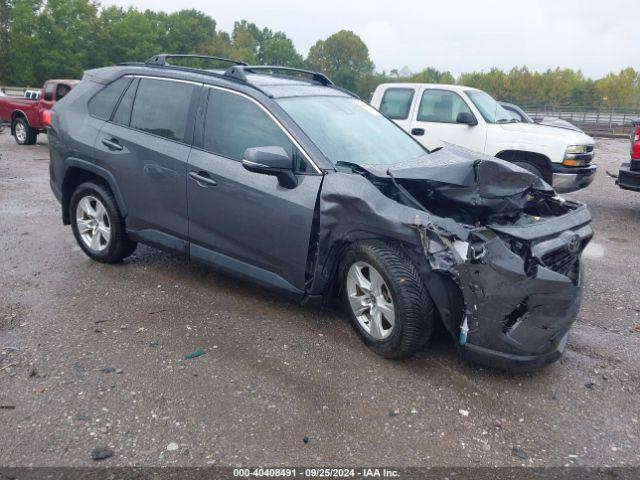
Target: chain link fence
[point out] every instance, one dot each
(590, 119)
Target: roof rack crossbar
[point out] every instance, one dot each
(161, 59)
(240, 72)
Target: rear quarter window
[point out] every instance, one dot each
(396, 103)
(103, 103)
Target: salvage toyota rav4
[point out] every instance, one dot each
(276, 175)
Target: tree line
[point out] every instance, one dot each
(42, 39)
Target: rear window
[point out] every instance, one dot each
(162, 108)
(396, 103)
(103, 103)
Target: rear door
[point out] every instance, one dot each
(434, 121)
(242, 221)
(146, 145)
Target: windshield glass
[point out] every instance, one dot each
(348, 130)
(491, 110)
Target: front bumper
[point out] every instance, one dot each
(519, 308)
(512, 362)
(629, 177)
(570, 179)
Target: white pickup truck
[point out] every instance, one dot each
(468, 117)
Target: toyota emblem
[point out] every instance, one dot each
(573, 245)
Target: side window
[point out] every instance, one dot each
(103, 103)
(123, 112)
(161, 107)
(48, 91)
(233, 123)
(396, 103)
(441, 106)
(62, 90)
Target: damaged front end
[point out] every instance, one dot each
(498, 250)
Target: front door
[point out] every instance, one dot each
(242, 221)
(436, 116)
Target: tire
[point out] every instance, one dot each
(401, 288)
(23, 133)
(103, 236)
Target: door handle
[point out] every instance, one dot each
(418, 132)
(111, 144)
(203, 179)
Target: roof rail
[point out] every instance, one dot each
(240, 72)
(161, 59)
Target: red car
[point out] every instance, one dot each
(27, 117)
(629, 175)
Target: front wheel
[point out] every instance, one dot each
(23, 133)
(98, 225)
(388, 303)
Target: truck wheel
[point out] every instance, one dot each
(23, 133)
(98, 225)
(386, 299)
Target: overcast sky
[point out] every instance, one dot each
(596, 37)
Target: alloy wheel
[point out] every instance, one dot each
(94, 225)
(370, 300)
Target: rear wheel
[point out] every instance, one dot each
(23, 133)
(387, 301)
(98, 225)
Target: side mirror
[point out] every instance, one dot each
(466, 118)
(271, 161)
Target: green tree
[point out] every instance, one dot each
(344, 57)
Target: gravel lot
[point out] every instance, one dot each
(91, 355)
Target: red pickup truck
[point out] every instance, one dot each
(629, 174)
(26, 116)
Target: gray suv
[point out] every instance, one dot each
(275, 175)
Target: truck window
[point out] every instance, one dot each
(48, 91)
(103, 103)
(234, 123)
(62, 90)
(396, 103)
(161, 107)
(441, 106)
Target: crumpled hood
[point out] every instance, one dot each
(476, 183)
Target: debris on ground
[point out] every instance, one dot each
(518, 452)
(108, 370)
(305, 439)
(394, 413)
(464, 413)
(153, 344)
(198, 353)
(7, 407)
(172, 447)
(101, 453)
(589, 385)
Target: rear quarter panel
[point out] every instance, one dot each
(73, 131)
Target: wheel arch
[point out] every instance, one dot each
(540, 161)
(78, 171)
(15, 115)
(444, 292)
